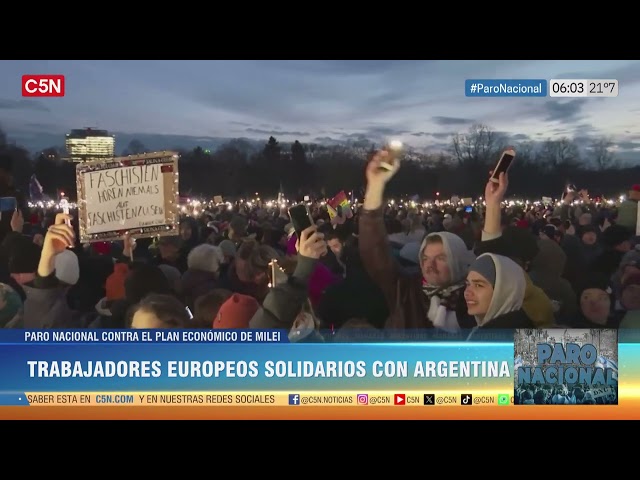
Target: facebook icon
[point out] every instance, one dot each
(294, 399)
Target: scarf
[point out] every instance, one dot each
(442, 305)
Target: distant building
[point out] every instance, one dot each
(88, 144)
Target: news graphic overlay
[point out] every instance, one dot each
(505, 88)
(566, 367)
(252, 368)
(136, 195)
(43, 86)
(569, 88)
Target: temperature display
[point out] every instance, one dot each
(583, 88)
(603, 88)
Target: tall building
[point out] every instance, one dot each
(88, 144)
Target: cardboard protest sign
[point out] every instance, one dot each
(136, 194)
(467, 201)
(340, 200)
(217, 199)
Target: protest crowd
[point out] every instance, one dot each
(377, 264)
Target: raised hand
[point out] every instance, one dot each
(376, 173)
(494, 192)
(311, 243)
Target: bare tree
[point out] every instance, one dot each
(601, 154)
(479, 146)
(561, 153)
(526, 152)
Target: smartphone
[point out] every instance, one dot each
(394, 149)
(300, 218)
(468, 209)
(64, 205)
(503, 165)
(8, 204)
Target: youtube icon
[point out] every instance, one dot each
(399, 399)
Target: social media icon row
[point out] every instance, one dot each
(401, 399)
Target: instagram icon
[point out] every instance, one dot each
(363, 399)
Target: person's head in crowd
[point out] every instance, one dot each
(588, 235)
(114, 285)
(205, 258)
(144, 279)
(548, 232)
(306, 326)
(169, 248)
(252, 262)
(174, 277)
(228, 250)
(237, 228)
(207, 306)
(444, 259)
(630, 263)
(617, 238)
(495, 287)
(334, 242)
(23, 260)
(630, 293)
(67, 268)
(594, 296)
(10, 305)
(236, 312)
(187, 230)
(159, 311)
(522, 246)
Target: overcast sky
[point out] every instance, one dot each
(420, 102)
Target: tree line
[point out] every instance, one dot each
(233, 170)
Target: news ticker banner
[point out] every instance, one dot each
(218, 368)
(568, 88)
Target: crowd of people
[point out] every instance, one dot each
(565, 395)
(374, 266)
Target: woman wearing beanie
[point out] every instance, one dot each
(495, 292)
(595, 304)
(236, 312)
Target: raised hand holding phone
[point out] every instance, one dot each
(382, 167)
(393, 150)
(64, 205)
(300, 218)
(503, 165)
(59, 237)
(311, 243)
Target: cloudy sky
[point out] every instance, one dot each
(420, 102)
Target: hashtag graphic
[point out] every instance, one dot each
(474, 87)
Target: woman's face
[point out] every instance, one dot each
(478, 294)
(595, 305)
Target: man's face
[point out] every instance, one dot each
(336, 246)
(435, 266)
